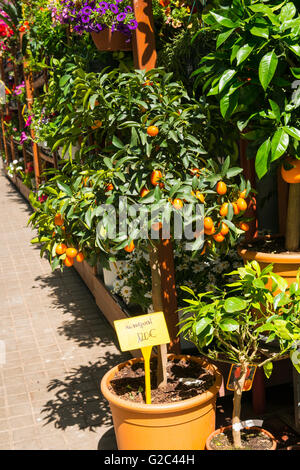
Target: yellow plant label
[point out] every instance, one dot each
(144, 330)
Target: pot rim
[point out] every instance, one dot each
(250, 254)
(224, 428)
(162, 408)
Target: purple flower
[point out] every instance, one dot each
(133, 24)
(113, 8)
(121, 17)
(103, 5)
(28, 121)
(23, 138)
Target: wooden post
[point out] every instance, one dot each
(144, 54)
(169, 294)
(35, 149)
(249, 174)
(143, 41)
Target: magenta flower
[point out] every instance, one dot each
(23, 138)
(28, 121)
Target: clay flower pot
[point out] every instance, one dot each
(107, 40)
(219, 431)
(182, 425)
(286, 264)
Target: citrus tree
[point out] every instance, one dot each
(253, 74)
(140, 144)
(238, 324)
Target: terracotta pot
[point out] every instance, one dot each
(108, 41)
(285, 264)
(182, 425)
(219, 431)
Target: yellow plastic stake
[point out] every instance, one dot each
(146, 351)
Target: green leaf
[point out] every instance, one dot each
(64, 80)
(225, 78)
(293, 132)
(243, 53)
(229, 324)
(223, 37)
(202, 324)
(117, 142)
(267, 68)
(234, 304)
(268, 368)
(287, 12)
(262, 32)
(295, 358)
(279, 144)
(276, 110)
(262, 160)
(65, 188)
(228, 23)
(228, 104)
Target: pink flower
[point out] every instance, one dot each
(23, 137)
(28, 121)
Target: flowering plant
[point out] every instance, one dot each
(133, 283)
(5, 31)
(94, 16)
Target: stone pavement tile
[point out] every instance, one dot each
(28, 444)
(5, 437)
(18, 422)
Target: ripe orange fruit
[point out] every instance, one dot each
(97, 124)
(198, 195)
(156, 175)
(243, 194)
(80, 257)
(147, 83)
(224, 209)
(129, 248)
(224, 229)
(144, 192)
(71, 252)
(156, 226)
(69, 262)
(109, 187)
(244, 226)
(236, 210)
(209, 231)
(177, 203)
(58, 220)
(292, 175)
(152, 131)
(221, 188)
(60, 249)
(195, 171)
(219, 237)
(208, 223)
(242, 204)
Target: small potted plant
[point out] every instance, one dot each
(237, 326)
(252, 75)
(110, 24)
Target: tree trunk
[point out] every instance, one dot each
(237, 399)
(158, 307)
(293, 218)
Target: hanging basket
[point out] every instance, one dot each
(107, 40)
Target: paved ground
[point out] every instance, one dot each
(58, 346)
